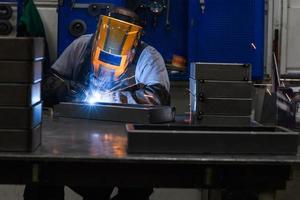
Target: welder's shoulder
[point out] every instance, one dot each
(152, 57)
(81, 42)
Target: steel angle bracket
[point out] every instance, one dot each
(145, 114)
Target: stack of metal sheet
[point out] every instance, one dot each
(221, 94)
(20, 93)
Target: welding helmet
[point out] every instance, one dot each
(117, 36)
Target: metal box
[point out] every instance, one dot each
(220, 120)
(179, 139)
(20, 71)
(220, 71)
(14, 140)
(12, 117)
(221, 106)
(21, 48)
(116, 112)
(221, 89)
(19, 94)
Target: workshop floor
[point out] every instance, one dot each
(11, 192)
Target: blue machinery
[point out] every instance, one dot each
(200, 30)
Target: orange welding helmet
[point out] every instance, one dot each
(116, 38)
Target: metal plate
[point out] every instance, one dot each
(12, 140)
(21, 48)
(221, 106)
(20, 94)
(116, 112)
(222, 121)
(12, 117)
(221, 89)
(211, 140)
(20, 71)
(221, 71)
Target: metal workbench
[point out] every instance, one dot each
(85, 152)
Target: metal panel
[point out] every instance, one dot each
(13, 140)
(20, 94)
(221, 121)
(225, 106)
(20, 71)
(228, 31)
(221, 89)
(221, 71)
(20, 117)
(21, 48)
(293, 40)
(211, 140)
(116, 112)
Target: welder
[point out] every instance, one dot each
(112, 65)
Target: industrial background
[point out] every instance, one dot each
(243, 31)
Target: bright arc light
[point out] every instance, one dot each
(94, 98)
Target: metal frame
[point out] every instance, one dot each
(183, 139)
(116, 112)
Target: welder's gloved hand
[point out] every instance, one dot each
(155, 94)
(56, 89)
(74, 91)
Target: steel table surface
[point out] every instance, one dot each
(86, 152)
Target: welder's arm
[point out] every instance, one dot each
(152, 94)
(56, 89)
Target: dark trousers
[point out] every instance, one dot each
(39, 192)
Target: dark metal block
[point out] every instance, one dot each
(220, 71)
(116, 112)
(181, 139)
(14, 140)
(222, 121)
(20, 71)
(221, 106)
(221, 89)
(21, 48)
(12, 117)
(20, 94)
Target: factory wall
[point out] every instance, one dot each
(290, 31)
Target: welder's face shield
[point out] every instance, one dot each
(113, 45)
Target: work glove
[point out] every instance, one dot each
(145, 94)
(74, 92)
(56, 89)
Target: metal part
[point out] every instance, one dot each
(116, 112)
(20, 71)
(77, 28)
(221, 120)
(5, 28)
(21, 49)
(19, 94)
(12, 117)
(14, 140)
(168, 7)
(202, 5)
(5, 11)
(222, 106)
(8, 19)
(96, 9)
(221, 71)
(221, 89)
(156, 7)
(181, 139)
